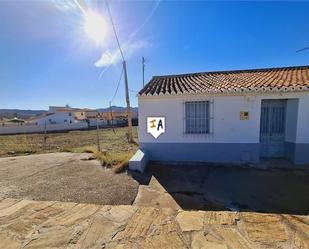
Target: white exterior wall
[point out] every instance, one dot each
(291, 120)
(56, 118)
(303, 120)
(226, 125)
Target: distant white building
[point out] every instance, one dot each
(56, 115)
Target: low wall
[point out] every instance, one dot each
(93, 123)
(41, 128)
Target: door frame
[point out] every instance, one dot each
(266, 152)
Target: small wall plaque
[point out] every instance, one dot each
(244, 115)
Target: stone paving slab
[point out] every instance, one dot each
(38, 224)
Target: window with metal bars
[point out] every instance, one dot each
(197, 116)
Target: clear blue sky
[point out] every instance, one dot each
(47, 59)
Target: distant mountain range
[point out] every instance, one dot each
(11, 113)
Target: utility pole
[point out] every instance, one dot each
(98, 137)
(111, 116)
(45, 137)
(143, 67)
(110, 113)
(130, 135)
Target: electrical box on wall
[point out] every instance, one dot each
(244, 115)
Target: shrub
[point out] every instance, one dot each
(121, 167)
(104, 158)
(66, 150)
(89, 149)
(118, 162)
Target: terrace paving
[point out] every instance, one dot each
(54, 224)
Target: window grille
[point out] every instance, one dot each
(197, 117)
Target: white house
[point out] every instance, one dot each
(226, 117)
(56, 119)
(56, 115)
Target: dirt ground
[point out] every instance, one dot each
(113, 141)
(64, 177)
(206, 187)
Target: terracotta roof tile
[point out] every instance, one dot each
(284, 79)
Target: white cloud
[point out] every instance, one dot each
(108, 58)
(113, 56)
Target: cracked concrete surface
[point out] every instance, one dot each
(52, 224)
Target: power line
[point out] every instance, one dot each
(80, 7)
(114, 29)
(300, 50)
(134, 91)
(126, 84)
(133, 34)
(143, 69)
(117, 85)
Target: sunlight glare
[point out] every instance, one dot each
(95, 27)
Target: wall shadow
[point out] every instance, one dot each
(214, 187)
